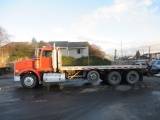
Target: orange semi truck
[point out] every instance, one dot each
(47, 67)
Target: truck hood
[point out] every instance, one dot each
(23, 64)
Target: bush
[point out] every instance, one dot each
(84, 61)
(91, 60)
(68, 61)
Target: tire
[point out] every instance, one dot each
(93, 76)
(113, 78)
(132, 77)
(29, 81)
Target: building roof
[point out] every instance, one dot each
(59, 43)
(69, 44)
(78, 44)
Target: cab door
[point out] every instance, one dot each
(46, 60)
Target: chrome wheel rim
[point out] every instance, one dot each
(28, 81)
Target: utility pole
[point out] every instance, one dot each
(143, 51)
(121, 49)
(150, 56)
(2, 56)
(115, 54)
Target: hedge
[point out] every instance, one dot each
(84, 61)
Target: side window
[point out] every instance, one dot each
(47, 53)
(158, 63)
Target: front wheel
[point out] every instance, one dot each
(29, 80)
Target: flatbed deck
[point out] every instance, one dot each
(103, 67)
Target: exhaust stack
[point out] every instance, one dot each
(54, 58)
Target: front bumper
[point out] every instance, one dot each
(17, 78)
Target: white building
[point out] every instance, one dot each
(73, 49)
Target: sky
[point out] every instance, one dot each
(124, 25)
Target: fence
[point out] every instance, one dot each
(127, 62)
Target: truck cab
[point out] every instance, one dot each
(154, 66)
(32, 71)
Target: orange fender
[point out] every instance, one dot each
(29, 70)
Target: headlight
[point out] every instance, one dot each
(16, 71)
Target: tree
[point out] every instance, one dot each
(34, 42)
(95, 50)
(137, 54)
(21, 51)
(41, 44)
(4, 36)
(4, 39)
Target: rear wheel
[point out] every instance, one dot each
(113, 78)
(93, 76)
(29, 80)
(132, 77)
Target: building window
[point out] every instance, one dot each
(79, 51)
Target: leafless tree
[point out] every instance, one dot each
(96, 51)
(4, 39)
(4, 36)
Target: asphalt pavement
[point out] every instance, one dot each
(79, 100)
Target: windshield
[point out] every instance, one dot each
(143, 63)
